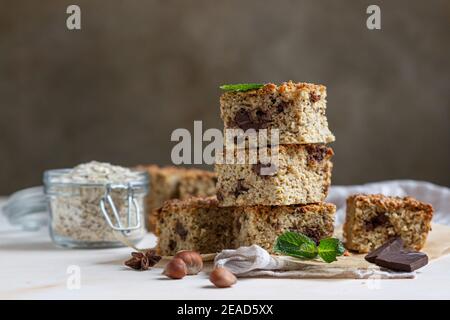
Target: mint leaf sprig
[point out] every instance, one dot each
(330, 248)
(241, 87)
(298, 245)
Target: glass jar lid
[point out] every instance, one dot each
(61, 177)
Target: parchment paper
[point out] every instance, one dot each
(347, 267)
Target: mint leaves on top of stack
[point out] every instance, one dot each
(241, 87)
(299, 245)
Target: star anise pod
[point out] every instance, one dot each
(143, 260)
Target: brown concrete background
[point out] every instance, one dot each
(115, 90)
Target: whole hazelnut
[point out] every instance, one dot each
(222, 278)
(193, 261)
(175, 269)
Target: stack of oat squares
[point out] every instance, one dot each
(257, 201)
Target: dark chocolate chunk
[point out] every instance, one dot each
(272, 169)
(240, 188)
(243, 120)
(281, 107)
(172, 244)
(219, 196)
(316, 153)
(181, 231)
(380, 219)
(392, 255)
(314, 234)
(394, 245)
(313, 97)
(263, 119)
(402, 260)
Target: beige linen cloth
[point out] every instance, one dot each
(254, 261)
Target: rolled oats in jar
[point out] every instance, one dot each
(96, 205)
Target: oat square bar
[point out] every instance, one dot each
(297, 110)
(372, 220)
(197, 224)
(261, 225)
(200, 224)
(302, 176)
(175, 183)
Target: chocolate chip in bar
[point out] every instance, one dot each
(243, 120)
(314, 97)
(240, 188)
(317, 152)
(181, 231)
(314, 234)
(172, 244)
(281, 107)
(219, 196)
(402, 260)
(379, 220)
(264, 119)
(393, 245)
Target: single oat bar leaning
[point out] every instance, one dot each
(372, 220)
(297, 110)
(302, 175)
(261, 225)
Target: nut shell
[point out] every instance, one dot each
(222, 278)
(175, 269)
(193, 261)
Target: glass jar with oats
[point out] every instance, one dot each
(96, 205)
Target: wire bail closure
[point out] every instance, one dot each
(132, 202)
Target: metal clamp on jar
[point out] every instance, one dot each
(133, 221)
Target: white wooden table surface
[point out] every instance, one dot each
(31, 267)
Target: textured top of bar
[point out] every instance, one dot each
(390, 203)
